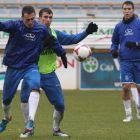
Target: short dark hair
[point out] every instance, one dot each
(47, 10)
(27, 9)
(128, 2)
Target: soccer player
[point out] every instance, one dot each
(48, 65)
(127, 34)
(21, 56)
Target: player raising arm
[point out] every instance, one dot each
(48, 65)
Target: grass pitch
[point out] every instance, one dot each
(89, 115)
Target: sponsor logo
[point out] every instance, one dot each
(128, 32)
(47, 51)
(30, 36)
(104, 67)
(57, 85)
(34, 70)
(91, 65)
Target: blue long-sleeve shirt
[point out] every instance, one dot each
(67, 39)
(122, 34)
(23, 44)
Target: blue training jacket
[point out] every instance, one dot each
(66, 39)
(127, 32)
(23, 44)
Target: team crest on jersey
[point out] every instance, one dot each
(126, 78)
(128, 32)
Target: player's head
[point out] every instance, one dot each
(45, 16)
(128, 9)
(28, 16)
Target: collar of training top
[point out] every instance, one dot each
(129, 20)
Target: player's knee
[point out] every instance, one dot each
(25, 96)
(7, 101)
(126, 88)
(60, 106)
(24, 101)
(36, 86)
(133, 86)
(31, 85)
(35, 90)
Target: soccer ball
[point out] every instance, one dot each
(82, 53)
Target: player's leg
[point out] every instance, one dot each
(12, 79)
(25, 110)
(25, 106)
(24, 100)
(51, 85)
(136, 68)
(25, 92)
(135, 96)
(30, 93)
(57, 117)
(127, 102)
(126, 80)
(138, 104)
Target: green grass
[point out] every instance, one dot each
(89, 115)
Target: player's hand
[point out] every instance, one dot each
(47, 42)
(130, 44)
(92, 27)
(64, 60)
(114, 54)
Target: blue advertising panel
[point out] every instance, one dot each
(101, 71)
